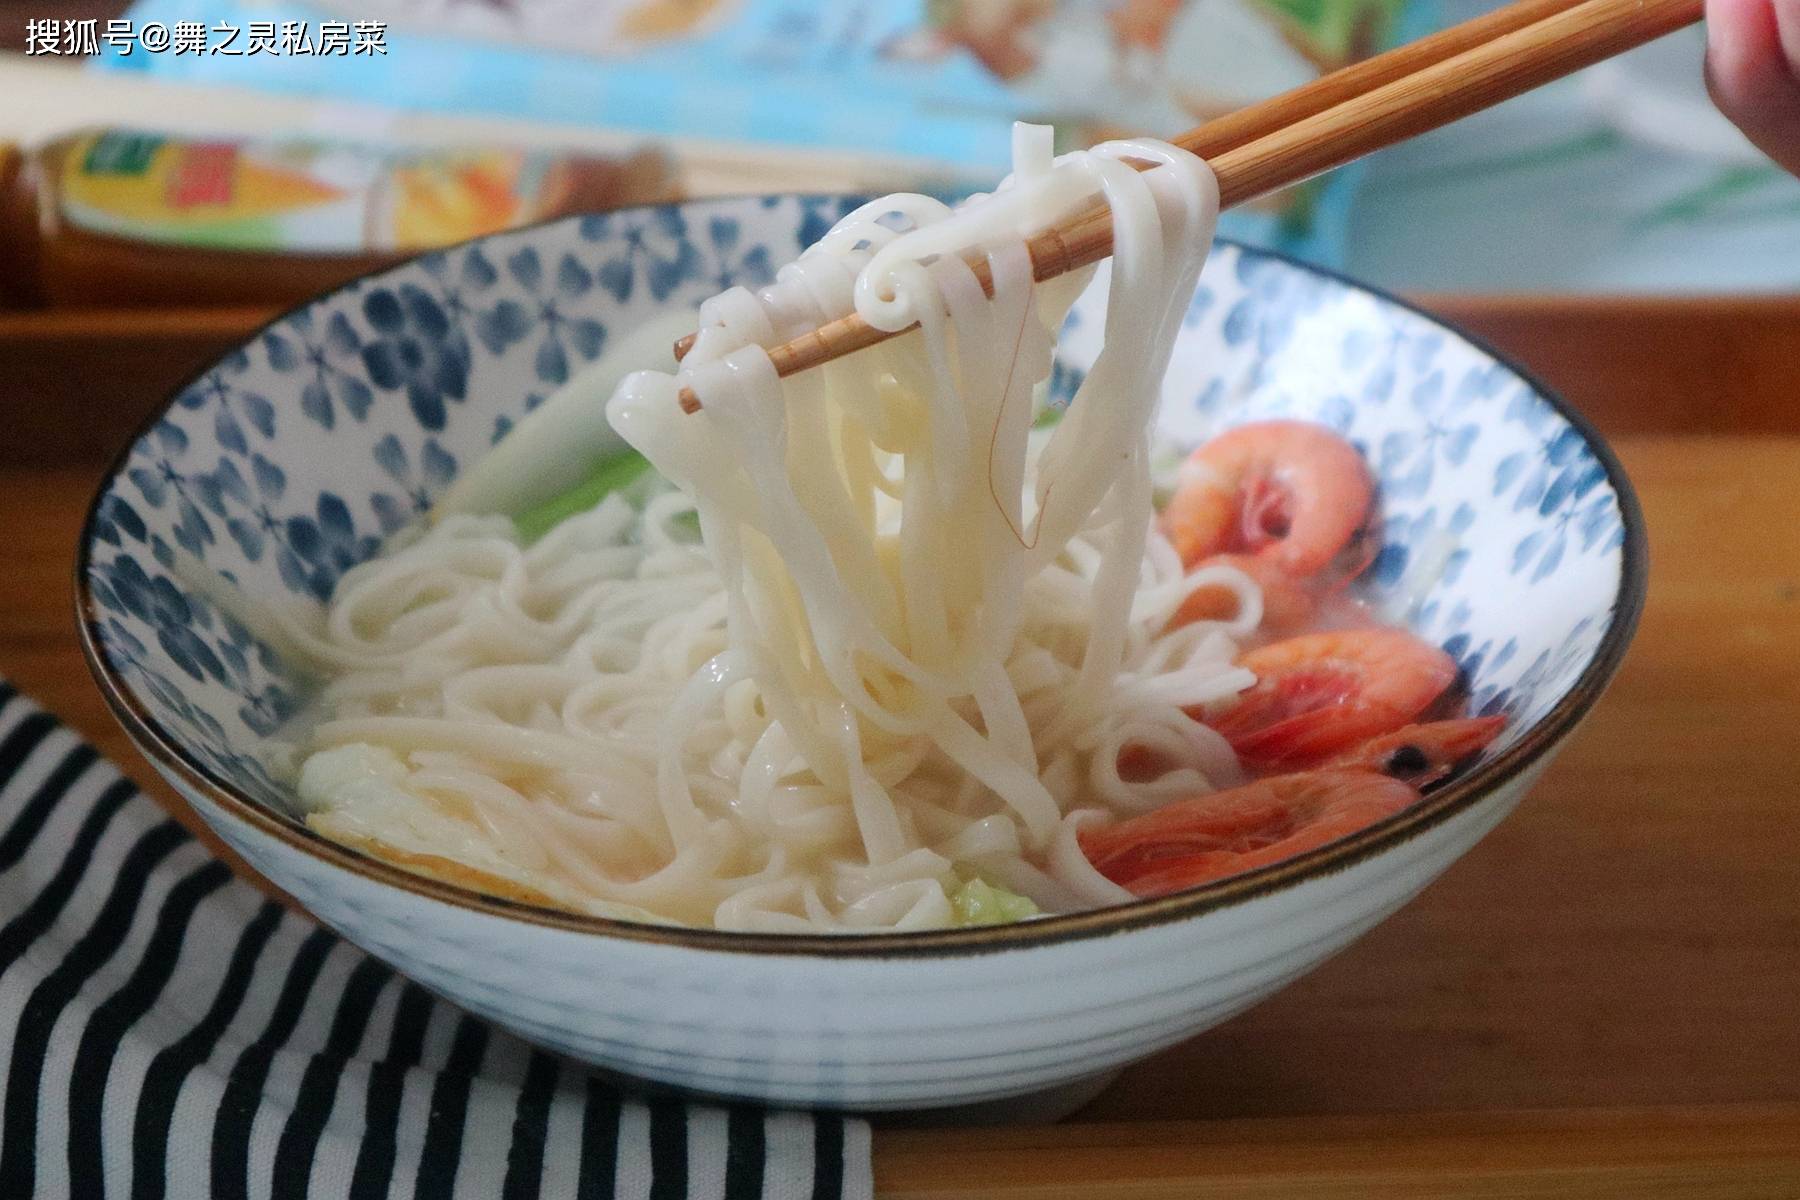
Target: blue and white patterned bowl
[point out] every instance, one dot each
(289, 460)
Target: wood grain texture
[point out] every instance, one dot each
(1728, 1153)
(1629, 938)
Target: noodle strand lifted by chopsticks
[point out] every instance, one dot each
(909, 649)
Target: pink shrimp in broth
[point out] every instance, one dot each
(1287, 503)
(1291, 493)
(1214, 836)
(1321, 693)
(1329, 723)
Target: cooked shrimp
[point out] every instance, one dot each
(1423, 754)
(1204, 838)
(1196, 841)
(1291, 493)
(1322, 693)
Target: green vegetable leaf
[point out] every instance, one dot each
(608, 476)
(978, 902)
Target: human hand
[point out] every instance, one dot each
(1753, 71)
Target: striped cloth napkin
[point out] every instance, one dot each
(168, 1032)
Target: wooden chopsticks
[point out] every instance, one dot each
(1332, 121)
(1266, 116)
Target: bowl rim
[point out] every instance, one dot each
(166, 752)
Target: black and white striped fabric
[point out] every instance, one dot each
(168, 1032)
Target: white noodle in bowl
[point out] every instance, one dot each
(905, 651)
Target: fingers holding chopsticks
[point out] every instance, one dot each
(1753, 71)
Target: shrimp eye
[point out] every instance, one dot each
(1407, 760)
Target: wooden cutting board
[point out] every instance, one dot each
(1601, 1000)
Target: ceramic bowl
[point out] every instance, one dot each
(1511, 539)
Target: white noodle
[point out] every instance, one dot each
(911, 648)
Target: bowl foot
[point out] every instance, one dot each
(1044, 1107)
(1033, 1108)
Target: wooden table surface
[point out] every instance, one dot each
(1601, 999)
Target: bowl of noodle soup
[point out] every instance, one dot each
(1508, 538)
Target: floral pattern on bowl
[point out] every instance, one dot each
(291, 459)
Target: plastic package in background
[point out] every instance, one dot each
(1620, 179)
(937, 82)
(142, 217)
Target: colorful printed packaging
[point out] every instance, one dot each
(939, 81)
(312, 197)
